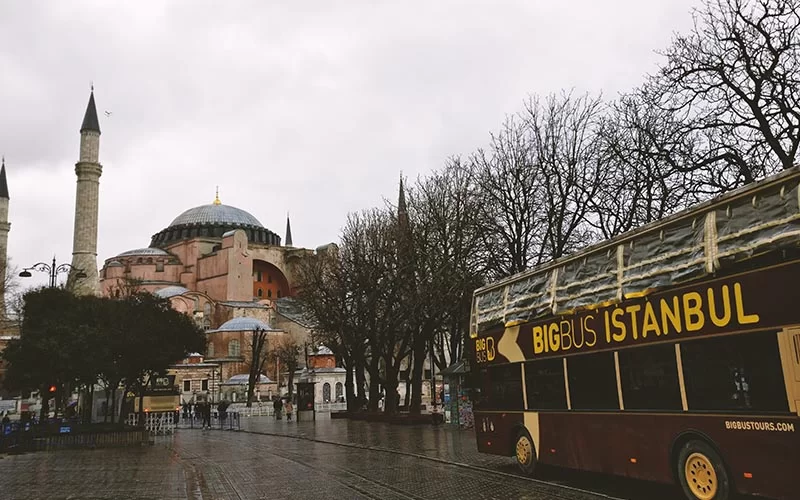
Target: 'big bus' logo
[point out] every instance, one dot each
(484, 350)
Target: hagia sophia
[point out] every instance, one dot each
(216, 263)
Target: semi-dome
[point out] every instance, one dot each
(213, 221)
(244, 324)
(171, 291)
(143, 251)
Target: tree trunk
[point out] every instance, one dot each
(44, 412)
(349, 393)
(361, 382)
(417, 374)
(374, 384)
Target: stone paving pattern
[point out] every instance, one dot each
(298, 460)
(196, 464)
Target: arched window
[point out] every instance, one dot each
(260, 292)
(339, 391)
(326, 393)
(234, 350)
(207, 309)
(210, 350)
(269, 293)
(279, 294)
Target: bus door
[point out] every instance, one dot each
(789, 342)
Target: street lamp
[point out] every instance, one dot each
(52, 270)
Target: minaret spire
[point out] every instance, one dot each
(84, 238)
(3, 181)
(402, 209)
(216, 198)
(5, 227)
(288, 240)
(90, 121)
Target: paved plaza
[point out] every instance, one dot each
(290, 460)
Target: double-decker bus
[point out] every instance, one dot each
(161, 395)
(670, 353)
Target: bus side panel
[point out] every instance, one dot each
(639, 445)
(606, 443)
(496, 432)
(767, 449)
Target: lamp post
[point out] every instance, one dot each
(52, 270)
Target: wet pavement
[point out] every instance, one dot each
(298, 460)
(448, 444)
(196, 464)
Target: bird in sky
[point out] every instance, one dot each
(108, 113)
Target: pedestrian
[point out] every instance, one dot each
(205, 411)
(287, 407)
(277, 405)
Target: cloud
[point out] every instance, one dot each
(308, 107)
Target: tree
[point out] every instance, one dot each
(258, 358)
(285, 354)
(732, 86)
(69, 340)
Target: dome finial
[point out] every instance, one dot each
(216, 199)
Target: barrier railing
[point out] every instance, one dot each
(156, 423)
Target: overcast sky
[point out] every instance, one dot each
(311, 107)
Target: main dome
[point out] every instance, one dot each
(216, 214)
(213, 221)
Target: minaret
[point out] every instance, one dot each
(88, 170)
(402, 209)
(5, 227)
(287, 242)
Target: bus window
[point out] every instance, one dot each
(501, 388)
(544, 382)
(593, 382)
(649, 377)
(734, 372)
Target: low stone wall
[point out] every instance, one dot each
(398, 418)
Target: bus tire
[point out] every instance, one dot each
(525, 452)
(702, 473)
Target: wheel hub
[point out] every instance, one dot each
(524, 450)
(700, 476)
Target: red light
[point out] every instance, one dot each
(552, 450)
(748, 475)
(488, 443)
(633, 460)
(52, 388)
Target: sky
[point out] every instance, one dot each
(310, 108)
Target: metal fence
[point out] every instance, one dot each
(156, 423)
(229, 420)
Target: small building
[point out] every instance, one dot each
(235, 388)
(196, 379)
(328, 379)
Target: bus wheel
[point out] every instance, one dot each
(702, 473)
(525, 453)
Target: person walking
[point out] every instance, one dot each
(288, 408)
(205, 410)
(277, 405)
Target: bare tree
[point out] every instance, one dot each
(732, 85)
(510, 223)
(258, 341)
(564, 153)
(285, 354)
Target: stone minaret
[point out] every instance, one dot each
(88, 170)
(5, 227)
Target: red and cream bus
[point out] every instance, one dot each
(670, 353)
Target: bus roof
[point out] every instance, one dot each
(708, 237)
